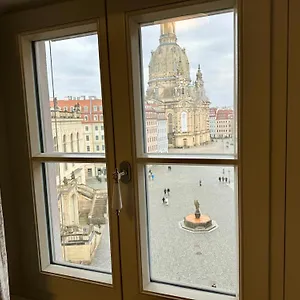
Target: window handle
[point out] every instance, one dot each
(124, 175)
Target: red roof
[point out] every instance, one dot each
(86, 108)
(224, 114)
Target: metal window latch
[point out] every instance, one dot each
(123, 175)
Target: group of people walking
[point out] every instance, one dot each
(150, 175)
(223, 179)
(165, 199)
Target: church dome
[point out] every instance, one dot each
(169, 59)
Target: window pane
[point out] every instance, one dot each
(187, 246)
(77, 202)
(188, 85)
(70, 97)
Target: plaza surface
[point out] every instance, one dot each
(179, 257)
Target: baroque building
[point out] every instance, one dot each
(171, 88)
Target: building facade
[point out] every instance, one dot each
(213, 122)
(171, 89)
(224, 123)
(162, 134)
(78, 211)
(151, 129)
(91, 113)
(68, 136)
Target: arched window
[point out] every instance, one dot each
(184, 122)
(78, 145)
(72, 141)
(170, 123)
(55, 144)
(65, 149)
(64, 143)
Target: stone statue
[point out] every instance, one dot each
(197, 206)
(65, 181)
(168, 27)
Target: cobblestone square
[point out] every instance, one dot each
(179, 257)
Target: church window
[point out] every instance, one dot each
(170, 123)
(78, 142)
(72, 142)
(55, 144)
(184, 125)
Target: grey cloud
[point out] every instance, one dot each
(76, 67)
(208, 42)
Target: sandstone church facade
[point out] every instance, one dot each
(171, 88)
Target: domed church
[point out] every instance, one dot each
(171, 88)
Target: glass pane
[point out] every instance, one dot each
(70, 98)
(192, 226)
(188, 85)
(78, 214)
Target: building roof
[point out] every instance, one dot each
(224, 114)
(86, 107)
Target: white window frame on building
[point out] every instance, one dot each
(259, 245)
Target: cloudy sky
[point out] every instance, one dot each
(208, 41)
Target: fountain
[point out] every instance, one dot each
(198, 222)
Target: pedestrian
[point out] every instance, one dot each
(226, 179)
(223, 171)
(168, 190)
(169, 168)
(166, 201)
(219, 179)
(163, 200)
(223, 178)
(200, 183)
(165, 191)
(152, 176)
